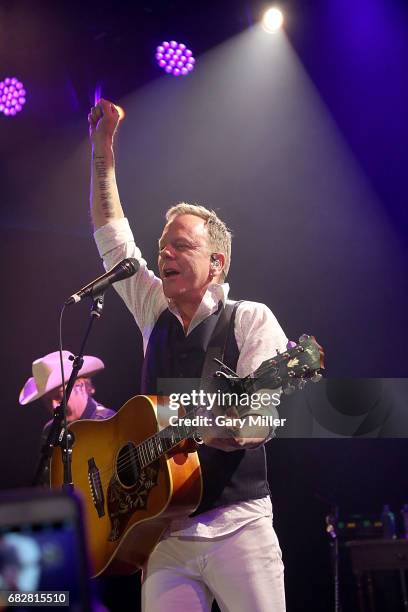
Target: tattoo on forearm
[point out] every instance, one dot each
(103, 185)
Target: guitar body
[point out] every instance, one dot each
(126, 509)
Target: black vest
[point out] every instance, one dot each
(228, 477)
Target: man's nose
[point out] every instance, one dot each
(168, 252)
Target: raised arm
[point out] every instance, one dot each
(105, 202)
(142, 293)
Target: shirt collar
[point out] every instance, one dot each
(209, 304)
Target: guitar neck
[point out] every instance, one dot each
(167, 439)
(164, 441)
(151, 449)
(288, 370)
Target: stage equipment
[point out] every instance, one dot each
(12, 96)
(272, 20)
(175, 58)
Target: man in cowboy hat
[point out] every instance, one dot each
(46, 384)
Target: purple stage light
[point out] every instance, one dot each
(12, 96)
(175, 58)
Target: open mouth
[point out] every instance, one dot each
(169, 273)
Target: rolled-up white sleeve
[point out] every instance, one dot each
(259, 336)
(143, 292)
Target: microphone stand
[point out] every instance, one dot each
(58, 434)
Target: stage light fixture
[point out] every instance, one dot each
(174, 58)
(272, 20)
(12, 96)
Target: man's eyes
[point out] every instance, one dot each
(179, 246)
(182, 246)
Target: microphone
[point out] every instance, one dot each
(124, 269)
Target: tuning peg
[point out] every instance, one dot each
(316, 377)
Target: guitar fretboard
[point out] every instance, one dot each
(156, 446)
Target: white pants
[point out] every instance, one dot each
(243, 571)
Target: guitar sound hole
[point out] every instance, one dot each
(128, 465)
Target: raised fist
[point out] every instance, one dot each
(103, 122)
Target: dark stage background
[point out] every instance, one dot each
(298, 140)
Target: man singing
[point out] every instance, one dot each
(227, 549)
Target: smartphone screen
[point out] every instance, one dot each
(42, 547)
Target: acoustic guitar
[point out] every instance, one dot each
(134, 478)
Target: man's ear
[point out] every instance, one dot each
(217, 262)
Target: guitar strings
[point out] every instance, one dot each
(123, 463)
(185, 433)
(129, 455)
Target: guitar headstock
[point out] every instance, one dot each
(291, 370)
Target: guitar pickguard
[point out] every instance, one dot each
(123, 502)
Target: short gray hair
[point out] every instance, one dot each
(218, 233)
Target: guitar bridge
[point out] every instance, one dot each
(95, 484)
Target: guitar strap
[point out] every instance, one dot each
(220, 342)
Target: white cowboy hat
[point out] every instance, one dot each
(47, 374)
